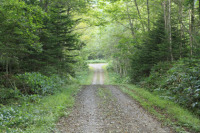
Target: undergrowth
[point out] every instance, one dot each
(37, 116)
(114, 78)
(39, 113)
(178, 82)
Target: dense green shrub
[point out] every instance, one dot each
(8, 93)
(28, 85)
(183, 81)
(36, 83)
(9, 117)
(179, 81)
(157, 76)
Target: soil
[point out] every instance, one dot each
(111, 112)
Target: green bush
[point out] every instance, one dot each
(157, 76)
(28, 85)
(8, 93)
(36, 83)
(178, 81)
(10, 117)
(183, 81)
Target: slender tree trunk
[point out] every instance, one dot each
(68, 10)
(181, 27)
(139, 14)
(46, 5)
(199, 9)
(190, 32)
(148, 15)
(120, 70)
(130, 21)
(7, 66)
(191, 27)
(170, 30)
(165, 15)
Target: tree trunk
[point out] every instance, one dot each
(191, 27)
(46, 5)
(199, 9)
(139, 14)
(148, 15)
(165, 14)
(130, 21)
(170, 30)
(7, 66)
(181, 27)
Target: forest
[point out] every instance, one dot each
(45, 46)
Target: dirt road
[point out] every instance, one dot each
(105, 109)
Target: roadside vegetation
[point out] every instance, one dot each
(37, 113)
(165, 110)
(96, 61)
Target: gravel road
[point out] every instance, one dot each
(105, 109)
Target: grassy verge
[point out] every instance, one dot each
(166, 111)
(40, 114)
(96, 61)
(106, 76)
(85, 77)
(170, 113)
(113, 78)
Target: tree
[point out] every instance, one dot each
(19, 32)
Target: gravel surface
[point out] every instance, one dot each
(85, 117)
(109, 112)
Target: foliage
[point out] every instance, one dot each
(37, 113)
(152, 51)
(19, 37)
(184, 83)
(29, 84)
(37, 116)
(179, 118)
(157, 76)
(36, 83)
(37, 39)
(178, 82)
(37, 46)
(114, 78)
(7, 93)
